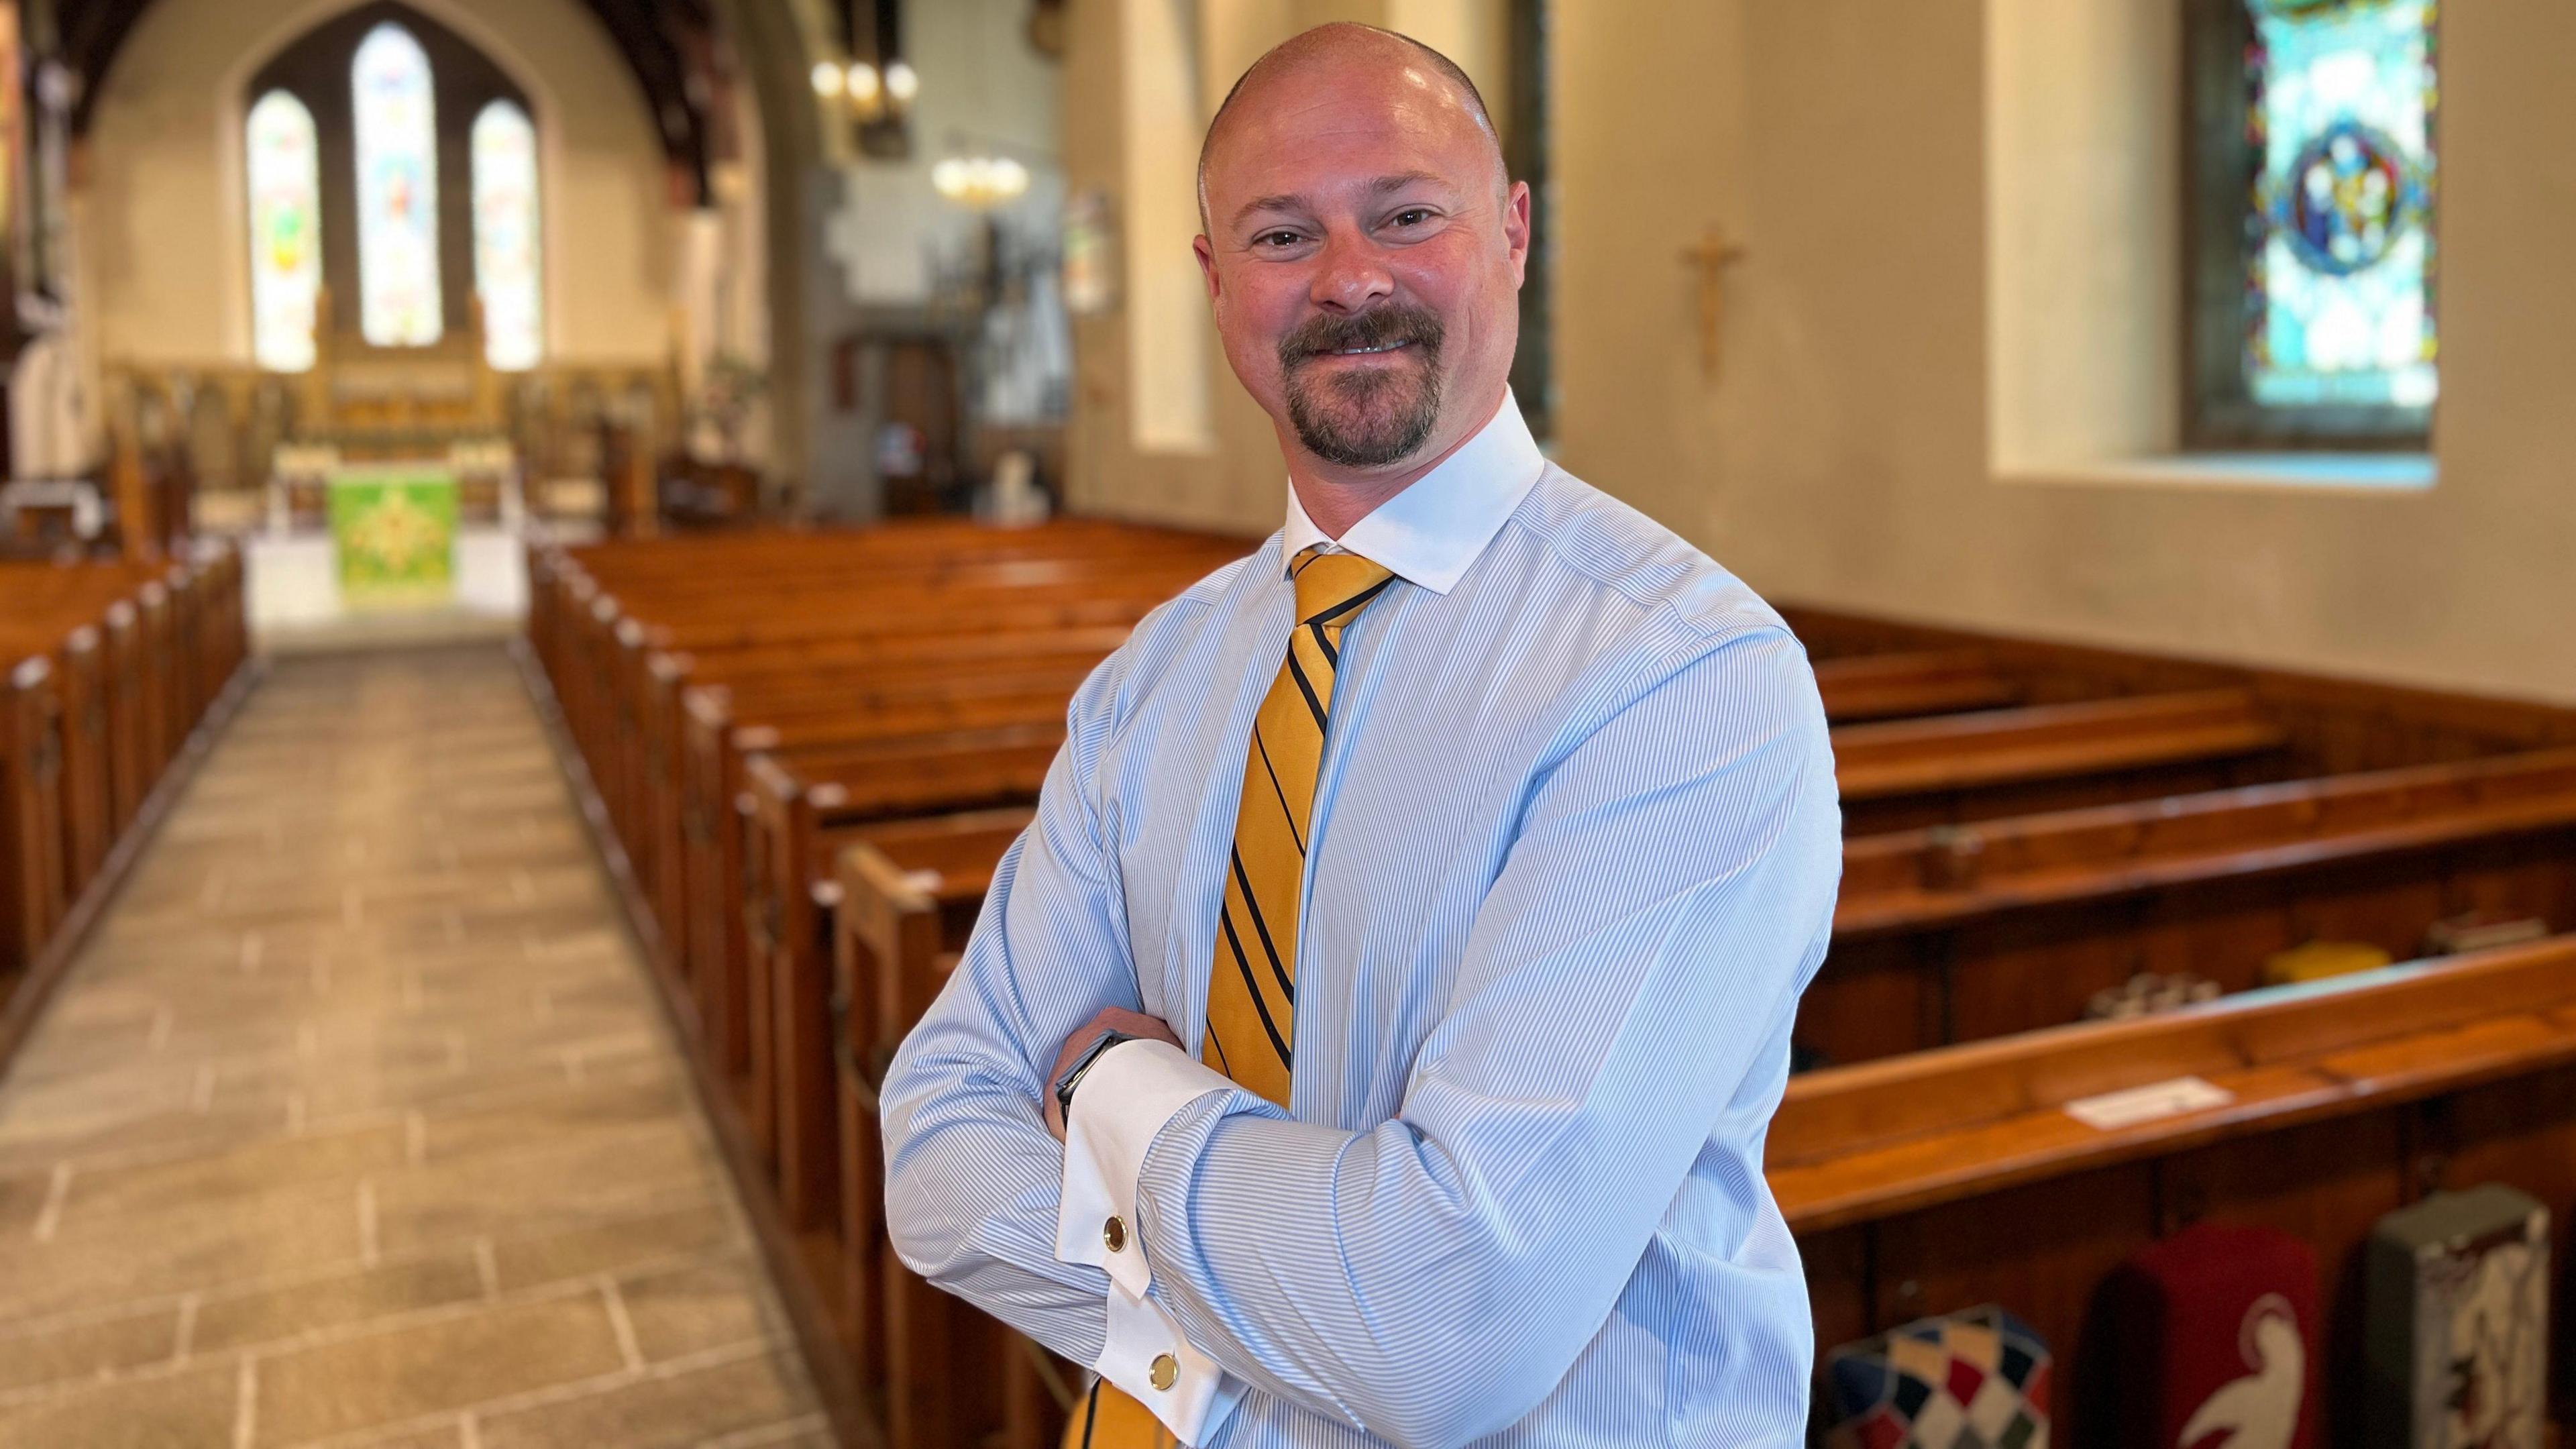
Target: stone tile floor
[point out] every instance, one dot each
(355, 1124)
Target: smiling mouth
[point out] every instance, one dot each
(1367, 351)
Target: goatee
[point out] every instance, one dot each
(1364, 417)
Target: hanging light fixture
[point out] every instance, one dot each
(877, 87)
(866, 91)
(980, 183)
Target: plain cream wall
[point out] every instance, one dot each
(167, 242)
(2084, 266)
(1846, 454)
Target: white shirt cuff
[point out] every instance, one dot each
(1195, 1396)
(1131, 1092)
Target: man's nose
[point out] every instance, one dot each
(1350, 275)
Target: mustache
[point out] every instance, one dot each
(1377, 327)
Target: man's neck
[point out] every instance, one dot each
(1336, 498)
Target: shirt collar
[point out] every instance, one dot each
(1433, 531)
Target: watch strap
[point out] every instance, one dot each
(1073, 1075)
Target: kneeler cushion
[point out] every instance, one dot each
(2215, 1338)
(1976, 1379)
(2456, 1323)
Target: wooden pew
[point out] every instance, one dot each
(776, 819)
(838, 665)
(104, 670)
(698, 851)
(1961, 933)
(824, 591)
(672, 678)
(734, 901)
(32, 898)
(633, 703)
(794, 827)
(1932, 1182)
(817, 709)
(1895, 774)
(794, 831)
(789, 855)
(2442, 838)
(81, 738)
(577, 592)
(1915, 682)
(905, 898)
(1054, 607)
(61, 792)
(2337, 726)
(2014, 748)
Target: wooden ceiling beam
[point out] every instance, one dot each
(648, 35)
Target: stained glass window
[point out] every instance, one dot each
(285, 232)
(2342, 108)
(397, 139)
(2314, 260)
(506, 256)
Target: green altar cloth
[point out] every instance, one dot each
(395, 531)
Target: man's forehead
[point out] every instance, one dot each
(1315, 142)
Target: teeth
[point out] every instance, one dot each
(1362, 351)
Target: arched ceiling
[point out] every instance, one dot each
(658, 39)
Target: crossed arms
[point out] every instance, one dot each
(1622, 997)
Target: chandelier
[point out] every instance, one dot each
(867, 93)
(874, 89)
(980, 183)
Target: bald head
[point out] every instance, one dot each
(1355, 53)
(1363, 249)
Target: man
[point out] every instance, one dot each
(1442, 879)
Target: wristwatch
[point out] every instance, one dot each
(1072, 1077)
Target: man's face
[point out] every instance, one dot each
(1364, 259)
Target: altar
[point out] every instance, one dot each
(394, 482)
(347, 541)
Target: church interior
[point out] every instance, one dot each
(547, 544)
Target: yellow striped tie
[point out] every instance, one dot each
(1252, 992)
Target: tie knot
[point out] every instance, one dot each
(1333, 587)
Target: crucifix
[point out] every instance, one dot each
(1710, 256)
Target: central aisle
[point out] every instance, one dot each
(356, 1123)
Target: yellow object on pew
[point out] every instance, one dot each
(2318, 960)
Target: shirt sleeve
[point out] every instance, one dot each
(1623, 993)
(1131, 1092)
(971, 1171)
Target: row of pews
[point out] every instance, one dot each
(746, 708)
(807, 752)
(106, 670)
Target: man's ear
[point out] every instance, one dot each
(1516, 227)
(1205, 251)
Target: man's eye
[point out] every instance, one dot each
(1276, 239)
(1411, 216)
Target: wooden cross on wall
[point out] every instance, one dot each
(1710, 256)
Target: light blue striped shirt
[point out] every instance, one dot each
(1573, 857)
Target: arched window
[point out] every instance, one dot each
(396, 127)
(285, 232)
(505, 236)
(2314, 265)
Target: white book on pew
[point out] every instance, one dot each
(2111, 1111)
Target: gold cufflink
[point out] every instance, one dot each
(1114, 1233)
(1166, 1370)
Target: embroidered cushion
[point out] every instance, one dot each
(2214, 1343)
(1976, 1379)
(2456, 1323)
